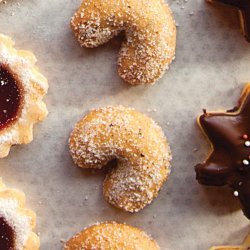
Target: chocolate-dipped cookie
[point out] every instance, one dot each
(243, 6)
(229, 161)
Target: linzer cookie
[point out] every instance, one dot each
(244, 246)
(243, 6)
(16, 222)
(229, 161)
(150, 30)
(22, 88)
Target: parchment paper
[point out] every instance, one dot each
(212, 64)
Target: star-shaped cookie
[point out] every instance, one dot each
(243, 6)
(229, 161)
(244, 246)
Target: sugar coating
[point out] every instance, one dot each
(138, 144)
(150, 34)
(19, 222)
(34, 87)
(111, 235)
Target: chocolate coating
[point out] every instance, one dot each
(7, 235)
(10, 97)
(225, 165)
(244, 7)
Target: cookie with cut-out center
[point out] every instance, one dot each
(16, 221)
(22, 88)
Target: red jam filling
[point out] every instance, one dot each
(7, 235)
(10, 97)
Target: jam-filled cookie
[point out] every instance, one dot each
(22, 88)
(139, 145)
(111, 235)
(150, 31)
(229, 161)
(16, 222)
(244, 246)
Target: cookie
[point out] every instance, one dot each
(138, 144)
(16, 221)
(22, 89)
(229, 161)
(150, 31)
(111, 235)
(243, 7)
(244, 246)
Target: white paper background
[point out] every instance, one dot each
(211, 67)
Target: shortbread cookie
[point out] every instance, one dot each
(138, 144)
(111, 235)
(22, 88)
(16, 222)
(229, 161)
(150, 31)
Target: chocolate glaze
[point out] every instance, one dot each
(10, 97)
(244, 7)
(225, 164)
(7, 235)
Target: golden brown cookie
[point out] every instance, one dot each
(244, 246)
(22, 88)
(138, 144)
(16, 221)
(111, 235)
(150, 31)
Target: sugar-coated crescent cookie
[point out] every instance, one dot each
(22, 88)
(16, 222)
(138, 144)
(150, 34)
(111, 235)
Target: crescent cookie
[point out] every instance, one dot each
(16, 222)
(111, 235)
(138, 144)
(22, 88)
(150, 31)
